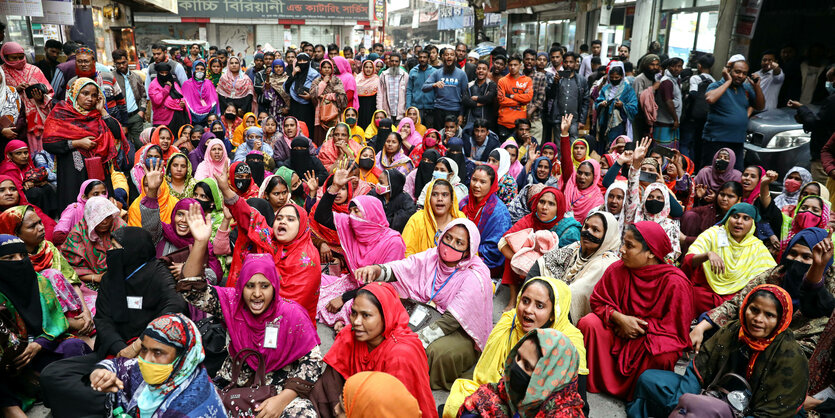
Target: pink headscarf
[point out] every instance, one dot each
(296, 334)
(347, 77)
(516, 167)
(756, 192)
(464, 290)
(414, 137)
(370, 240)
(209, 167)
(74, 212)
(583, 201)
(11, 48)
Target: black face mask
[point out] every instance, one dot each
(366, 163)
(721, 164)
(519, 380)
(219, 134)
(230, 116)
(206, 205)
(299, 191)
(243, 184)
(585, 234)
(654, 207)
(795, 271)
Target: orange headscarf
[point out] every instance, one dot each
(758, 345)
(155, 141)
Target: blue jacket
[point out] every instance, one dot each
(415, 96)
(455, 89)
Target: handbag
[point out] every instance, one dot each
(95, 169)
(213, 332)
(328, 111)
(241, 402)
(175, 257)
(732, 389)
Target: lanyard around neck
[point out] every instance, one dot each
(442, 286)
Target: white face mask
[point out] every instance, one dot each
(198, 75)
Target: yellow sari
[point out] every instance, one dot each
(238, 134)
(419, 127)
(355, 130)
(371, 130)
(166, 205)
(421, 230)
(504, 337)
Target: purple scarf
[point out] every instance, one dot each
(169, 235)
(197, 154)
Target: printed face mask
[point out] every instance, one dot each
(791, 185)
(381, 190)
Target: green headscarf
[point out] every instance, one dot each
(286, 174)
(188, 190)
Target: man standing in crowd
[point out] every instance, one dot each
(391, 96)
(481, 103)
(771, 79)
(415, 96)
(727, 121)
(499, 69)
(450, 86)
(192, 57)
(571, 95)
(534, 111)
(515, 91)
(65, 70)
(651, 65)
(461, 54)
(135, 97)
(161, 56)
(821, 124)
(669, 101)
(696, 109)
(596, 51)
(49, 63)
(86, 66)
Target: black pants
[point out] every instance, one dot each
(66, 388)
(440, 117)
(427, 118)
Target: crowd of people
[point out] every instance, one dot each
(180, 229)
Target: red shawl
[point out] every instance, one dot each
(401, 353)
(531, 220)
(659, 294)
(473, 208)
(329, 235)
(48, 223)
(66, 124)
(137, 158)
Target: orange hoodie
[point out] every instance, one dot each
(514, 108)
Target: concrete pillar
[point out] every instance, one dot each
(642, 27)
(724, 34)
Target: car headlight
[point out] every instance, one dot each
(789, 139)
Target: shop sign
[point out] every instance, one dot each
(379, 10)
(21, 8)
(286, 9)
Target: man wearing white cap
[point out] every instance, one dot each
(729, 99)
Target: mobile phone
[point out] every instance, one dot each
(647, 177)
(664, 152)
(630, 146)
(564, 73)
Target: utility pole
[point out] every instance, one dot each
(478, 20)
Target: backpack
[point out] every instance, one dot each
(696, 107)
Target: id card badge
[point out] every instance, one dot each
(271, 336)
(418, 315)
(134, 302)
(723, 239)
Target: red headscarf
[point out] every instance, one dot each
(531, 220)
(48, 223)
(758, 345)
(299, 266)
(9, 167)
(329, 235)
(473, 208)
(10, 221)
(401, 353)
(657, 240)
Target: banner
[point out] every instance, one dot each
(380, 11)
(279, 9)
(21, 8)
(56, 12)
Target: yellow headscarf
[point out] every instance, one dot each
(421, 230)
(588, 152)
(418, 126)
(371, 130)
(165, 200)
(355, 129)
(743, 260)
(238, 135)
(507, 332)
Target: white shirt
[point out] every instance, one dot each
(585, 66)
(770, 85)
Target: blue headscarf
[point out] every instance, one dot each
(279, 62)
(536, 180)
(792, 282)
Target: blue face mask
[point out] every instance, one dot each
(439, 175)
(830, 87)
(151, 161)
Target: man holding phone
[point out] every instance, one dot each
(729, 99)
(570, 94)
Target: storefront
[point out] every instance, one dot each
(538, 24)
(688, 25)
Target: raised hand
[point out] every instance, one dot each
(565, 123)
(625, 158)
(340, 177)
(200, 227)
(641, 150)
(822, 252)
(311, 181)
(770, 176)
(154, 177)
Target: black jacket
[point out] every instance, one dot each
(400, 206)
(486, 94)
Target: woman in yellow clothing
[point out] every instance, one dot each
(350, 117)
(424, 227)
(414, 114)
(371, 130)
(165, 201)
(543, 302)
(249, 120)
